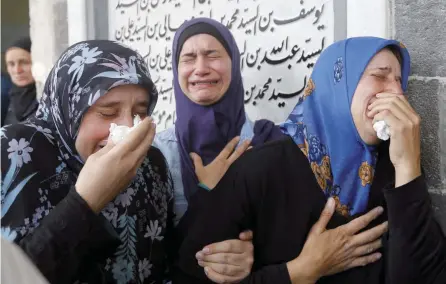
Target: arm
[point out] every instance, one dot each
(72, 230)
(171, 241)
(417, 250)
(325, 252)
(417, 246)
(64, 236)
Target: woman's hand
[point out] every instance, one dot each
(108, 171)
(229, 261)
(328, 252)
(211, 174)
(404, 126)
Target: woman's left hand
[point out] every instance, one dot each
(404, 126)
(229, 261)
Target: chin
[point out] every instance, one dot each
(22, 83)
(205, 100)
(372, 139)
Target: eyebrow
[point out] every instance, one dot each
(143, 103)
(385, 68)
(194, 54)
(19, 60)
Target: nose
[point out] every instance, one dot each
(125, 119)
(18, 68)
(394, 87)
(201, 66)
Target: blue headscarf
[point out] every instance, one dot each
(321, 123)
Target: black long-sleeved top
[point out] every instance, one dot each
(272, 190)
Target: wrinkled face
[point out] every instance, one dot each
(382, 75)
(204, 69)
(18, 64)
(119, 106)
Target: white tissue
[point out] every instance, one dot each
(119, 132)
(382, 130)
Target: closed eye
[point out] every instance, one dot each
(104, 114)
(380, 76)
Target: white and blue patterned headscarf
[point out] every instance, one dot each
(84, 73)
(322, 126)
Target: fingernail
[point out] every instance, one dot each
(378, 256)
(201, 263)
(199, 255)
(380, 210)
(206, 270)
(206, 250)
(330, 202)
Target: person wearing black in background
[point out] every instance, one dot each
(22, 96)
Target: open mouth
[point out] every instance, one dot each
(202, 83)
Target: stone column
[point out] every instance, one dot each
(49, 33)
(420, 25)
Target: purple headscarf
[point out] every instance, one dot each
(206, 130)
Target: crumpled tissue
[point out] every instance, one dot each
(382, 130)
(119, 132)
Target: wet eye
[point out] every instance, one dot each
(379, 76)
(187, 59)
(108, 115)
(141, 114)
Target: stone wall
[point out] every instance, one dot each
(420, 25)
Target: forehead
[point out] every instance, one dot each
(385, 58)
(201, 42)
(125, 93)
(15, 53)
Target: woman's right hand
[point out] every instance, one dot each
(108, 171)
(211, 174)
(327, 252)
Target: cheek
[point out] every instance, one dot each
(365, 91)
(225, 73)
(28, 69)
(183, 77)
(90, 135)
(185, 70)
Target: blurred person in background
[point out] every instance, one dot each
(22, 95)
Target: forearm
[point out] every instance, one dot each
(417, 246)
(300, 272)
(407, 173)
(55, 245)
